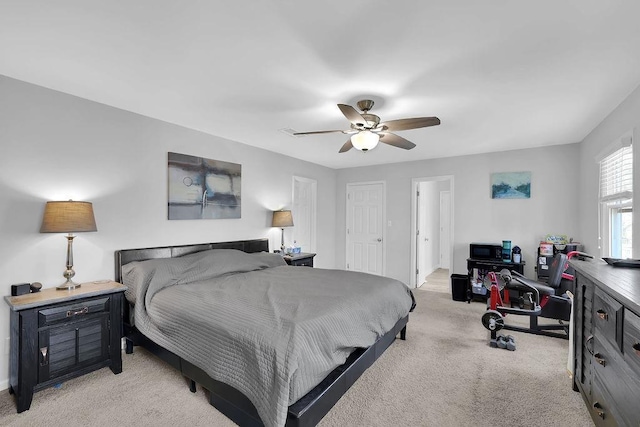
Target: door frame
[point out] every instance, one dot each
(414, 218)
(384, 221)
(448, 193)
(314, 210)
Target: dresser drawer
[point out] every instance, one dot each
(631, 341)
(618, 381)
(73, 311)
(601, 406)
(607, 317)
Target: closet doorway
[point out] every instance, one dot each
(432, 232)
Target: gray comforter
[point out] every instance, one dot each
(249, 320)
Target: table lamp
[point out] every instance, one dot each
(68, 217)
(282, 219)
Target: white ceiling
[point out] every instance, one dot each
(500, 74)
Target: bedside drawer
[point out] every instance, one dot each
(607, 317)
(631, 340)
(68, 312)
(72, 346)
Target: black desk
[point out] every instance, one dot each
(486, 266)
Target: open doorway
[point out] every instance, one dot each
(432, 232)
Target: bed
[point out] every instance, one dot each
(273, 344)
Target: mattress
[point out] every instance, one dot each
(270, 330)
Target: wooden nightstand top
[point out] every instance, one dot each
(53, 295)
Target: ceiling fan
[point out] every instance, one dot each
(366, 130)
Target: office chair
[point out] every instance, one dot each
(535, 299)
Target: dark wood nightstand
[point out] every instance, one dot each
(301, 259)
(58, 335)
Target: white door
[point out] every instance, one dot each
(304, 213)
(445, 228)
(427, 234)
(365, 227)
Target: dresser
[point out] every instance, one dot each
(57, 335)
(607, 341)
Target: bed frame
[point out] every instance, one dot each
(307, 411)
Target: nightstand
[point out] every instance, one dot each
(301, 259)
(58, 335)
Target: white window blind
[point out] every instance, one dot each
(616, 176)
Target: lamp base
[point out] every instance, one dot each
(69, 285)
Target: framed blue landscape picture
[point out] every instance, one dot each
(511, 185)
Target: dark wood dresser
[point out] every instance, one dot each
(57, 335)
(607, 341)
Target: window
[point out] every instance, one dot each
(616, 199)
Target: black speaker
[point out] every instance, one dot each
(20, 289)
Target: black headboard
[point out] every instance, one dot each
(125, 256)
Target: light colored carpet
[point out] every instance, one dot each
(444, 374)
(438, 281)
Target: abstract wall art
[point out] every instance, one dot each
(511, 185)
(202, 188)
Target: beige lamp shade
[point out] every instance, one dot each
(68, 217)
(282, 219)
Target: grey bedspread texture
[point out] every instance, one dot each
(270, 330)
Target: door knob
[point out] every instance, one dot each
(379, 239)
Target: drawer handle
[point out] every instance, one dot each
(602, 314)
(45, 360)
(636, 348)
(84, 310)
(586, 344)
(600, 359)
(598, 409)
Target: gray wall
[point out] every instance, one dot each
(56, 146)
(625, 118)
(477, 217)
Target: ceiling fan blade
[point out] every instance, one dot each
(346, 147)
(317, 132)
(396, 141)
(352, 115)
(415, 123)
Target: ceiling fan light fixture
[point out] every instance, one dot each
(365, 140)
(367, 130)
